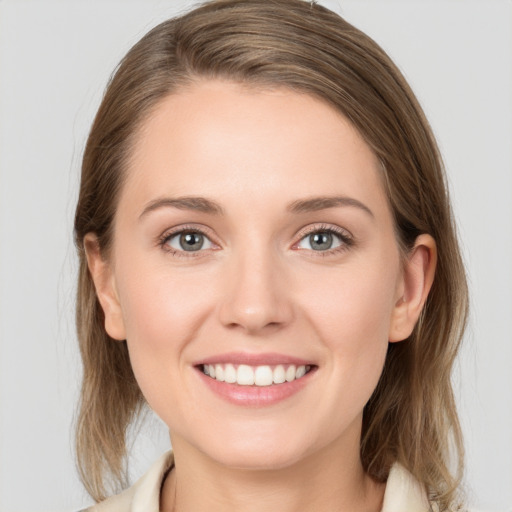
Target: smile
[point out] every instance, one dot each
(255, 380)
(263, 375)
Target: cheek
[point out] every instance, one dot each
(354, 302)
(162, 311)
(352, 315)
(159, 300)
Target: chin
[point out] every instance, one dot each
(258, 452)
(258, 458)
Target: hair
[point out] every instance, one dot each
(411, 417)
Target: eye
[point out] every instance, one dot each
(188, 241)
(324, 240)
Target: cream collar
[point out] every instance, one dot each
(403, 493)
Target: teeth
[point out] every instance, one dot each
(279, 374)
(219, 372)
(245, 375)
(263, 376)
(301, 371)
(230, 374)
(290, 373)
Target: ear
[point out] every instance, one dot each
(416, 281)
(104, 282)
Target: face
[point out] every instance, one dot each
(253, 240)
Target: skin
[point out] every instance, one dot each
(258, 286)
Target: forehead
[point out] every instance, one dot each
(217, 138)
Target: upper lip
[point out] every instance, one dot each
(268, 358)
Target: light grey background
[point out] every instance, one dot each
(55, 59)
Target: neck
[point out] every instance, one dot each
(331, 479)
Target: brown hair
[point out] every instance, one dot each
(411, 417)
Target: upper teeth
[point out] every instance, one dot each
(245, 375)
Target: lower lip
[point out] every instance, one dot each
(256, 396)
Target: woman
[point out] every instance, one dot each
(268, 259)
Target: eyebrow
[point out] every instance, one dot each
(323, 202)
(200, 204)
(203, 205)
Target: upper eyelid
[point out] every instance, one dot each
(313, 228)
(194, 228)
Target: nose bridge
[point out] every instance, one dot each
(256, 298)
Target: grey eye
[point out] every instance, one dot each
(320, 241)
(189, 241)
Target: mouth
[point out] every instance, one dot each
(255, 380)
(261, 375)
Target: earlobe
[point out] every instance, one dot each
(104, 282)
(417, 278)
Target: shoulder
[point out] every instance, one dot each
(144, 495)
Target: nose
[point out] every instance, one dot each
(257, 297)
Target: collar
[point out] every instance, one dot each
(403, 492)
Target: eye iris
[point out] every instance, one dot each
(191, 241)
(320, 241)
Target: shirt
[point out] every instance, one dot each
(403, 492)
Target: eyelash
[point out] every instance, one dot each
(347, 241)
(168, 235)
